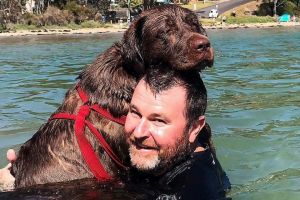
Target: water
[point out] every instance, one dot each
(253, 100)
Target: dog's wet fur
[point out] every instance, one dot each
(168, 34)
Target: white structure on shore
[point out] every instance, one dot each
(30, 4)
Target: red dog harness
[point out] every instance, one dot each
(86, 149)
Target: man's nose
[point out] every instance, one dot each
(142, 130)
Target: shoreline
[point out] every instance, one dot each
(253, 25)
(62, 31)
(122, 28)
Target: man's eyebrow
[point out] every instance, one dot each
(132, 107)
(157, 115)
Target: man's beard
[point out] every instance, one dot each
(163, 160)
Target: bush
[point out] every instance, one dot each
(288, 8)
(297, 11)
(80, 12)
(30, 19)
(2, 22)
(2, 27)
(265, 9)
(54, 16)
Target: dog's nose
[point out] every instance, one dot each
(200, 43)
(203, 53)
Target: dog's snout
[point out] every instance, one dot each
(200, 43)
(201, 51)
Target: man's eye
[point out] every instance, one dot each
(135, 113)
(159, 122)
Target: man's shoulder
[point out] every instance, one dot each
(198, 177)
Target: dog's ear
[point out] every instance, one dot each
(132, 42)
(139, 29)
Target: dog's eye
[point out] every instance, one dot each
(170, 22)
(169, 31)
(195, 25)
(161, 34)
(193, 22)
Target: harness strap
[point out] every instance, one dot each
(84, 98)
(107, 115)
(99, 109)
(86, 149)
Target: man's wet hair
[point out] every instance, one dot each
(161, 78)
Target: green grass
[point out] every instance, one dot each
(249, 19)
(238, 20)
(209, 22)
(86, 24)
(21, 27)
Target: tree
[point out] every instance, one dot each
(11, 10)
(39, 6)
(101, 5)
(276, 4)
(297, 2)
(149, 3)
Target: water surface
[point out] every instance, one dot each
(253, 99)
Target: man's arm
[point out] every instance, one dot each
(6, 179)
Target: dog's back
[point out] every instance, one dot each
(53, 154)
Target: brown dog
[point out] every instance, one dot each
(169, 34)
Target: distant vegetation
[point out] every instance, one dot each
(95, 13)
(279, 7)
(249, 19)
(239, 20)
(259, 11)
(57, 12)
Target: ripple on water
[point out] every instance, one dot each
(253, 97)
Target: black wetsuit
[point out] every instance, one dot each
(201, 177)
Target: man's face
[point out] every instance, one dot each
(155, 128)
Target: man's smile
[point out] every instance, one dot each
(140, 146)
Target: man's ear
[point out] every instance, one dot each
(197, 127)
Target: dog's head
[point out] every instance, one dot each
(169, 34)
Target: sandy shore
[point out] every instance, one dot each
(64, 31)
(122, 28)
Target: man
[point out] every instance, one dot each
(169, 144)
(6, 179)
(164, 126)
